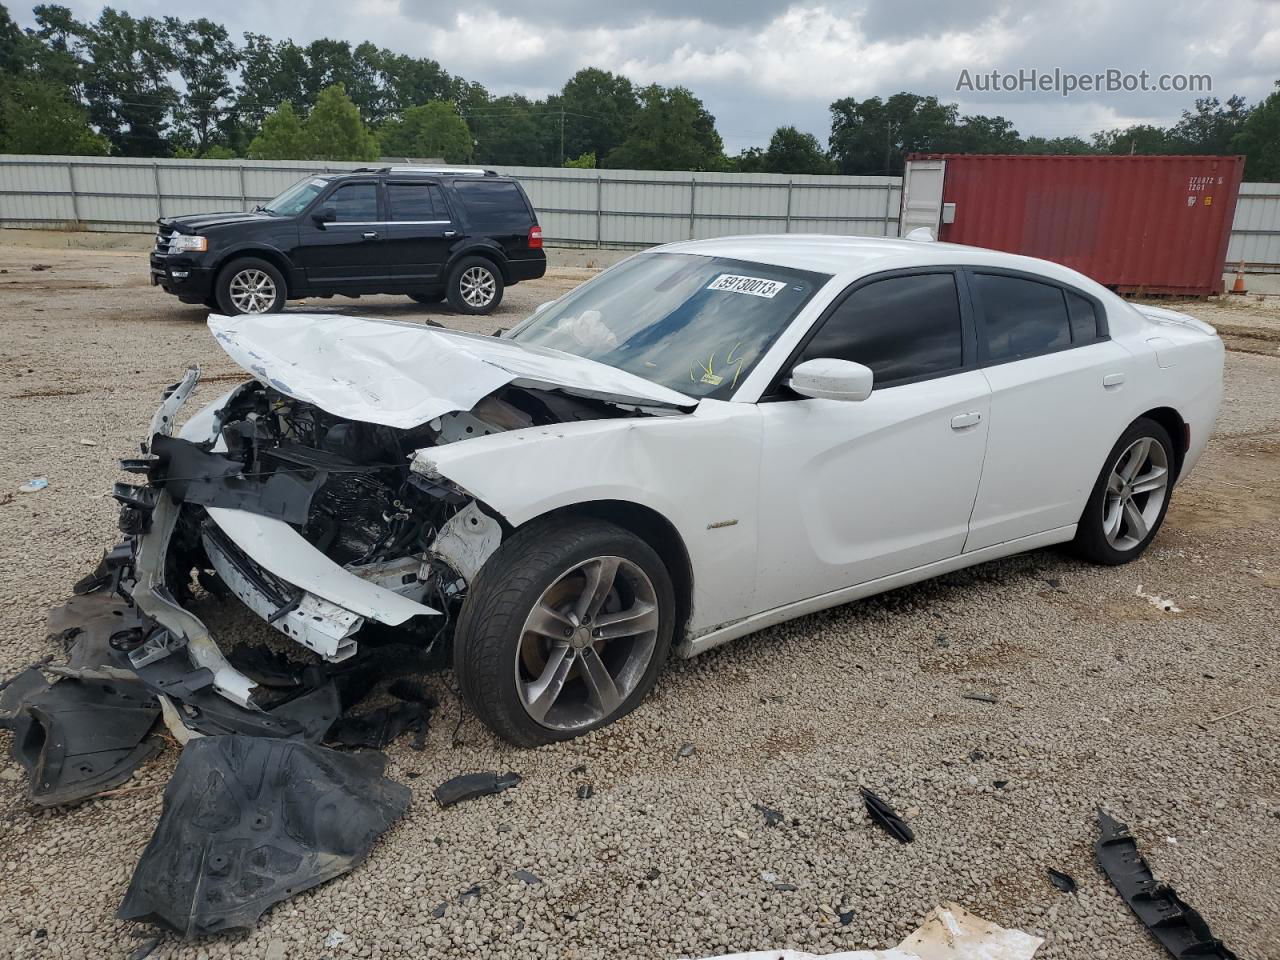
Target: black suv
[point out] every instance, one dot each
(461, 233)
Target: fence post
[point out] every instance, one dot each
(888, 206)
(693, 196)
(599, 210)
(244, 196)
(75, 201)
(788, 228)
(155, 172)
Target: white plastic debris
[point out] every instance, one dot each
(334, 938)
(34, 484)
(949, 932)
(1163, 603)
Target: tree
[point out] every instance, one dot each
(1211, 127)
(584, 161)
(58, 55)
(1259, 140)
(598, 109)
(1056, 145)
(508, 130)
(874, 136)
(429, 131)
(127, 66)
(334, 130)
(204, 55)
(37, 117)
(671, 131)
(270, 74)
(282, 137)
(791, 151)
(1141, 138)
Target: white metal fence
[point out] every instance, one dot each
(607, 208)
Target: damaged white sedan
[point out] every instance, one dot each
(706, 439)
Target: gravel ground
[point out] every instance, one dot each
(1101, 698)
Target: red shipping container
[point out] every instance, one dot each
(1140, 225)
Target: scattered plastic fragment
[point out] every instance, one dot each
(34, 485)
(438, 912)
(980, 697)
(771, 817)
(468, 786)
(250, 821)
(39, 267)
(334, 938)
(527, 876)
(653, 874)
(886, 817)
(1063, 881)
(845, 917)
(144, 950)
(949, 932)
(686, 750)
(785, 887)
(379, 727)
(1161, 603)
(586, 792)
(1180, 928)
(471, 893)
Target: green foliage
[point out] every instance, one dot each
(127, 63)
(791, 151)
(334, 130)
(671, 131)
(37, 117)
(205, 55)
(1057, 145)
(874, 136)
(599, 108)
(282, 137)
(507, 130)
(1140, 138)
(583, 161)
(1211, 127)
(219, 152)
(1259, 140)
(433, 130)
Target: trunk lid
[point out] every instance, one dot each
(406, 374)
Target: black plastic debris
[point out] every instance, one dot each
(785, 887)
(1180, 928)
(438, 912)
(771, 817)
(15, 691)
(883, 814)
(79, 737)
(586, 792)
(379, 727)
(846, 917)
(468, 786)
(470, 894)
(1063, 881)
(686, 750)
(527, 876)
(980, 697)
(251, 821)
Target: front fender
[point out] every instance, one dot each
(699, 470)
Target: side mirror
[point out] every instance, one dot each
(324, 215)
(825, 378)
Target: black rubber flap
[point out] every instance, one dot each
(251, 821)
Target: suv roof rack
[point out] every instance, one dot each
(457, 171)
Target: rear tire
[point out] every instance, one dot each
(508, 669)
(475, 286)
(1130, 498)
(250, 285)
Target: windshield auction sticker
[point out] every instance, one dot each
(755, 286)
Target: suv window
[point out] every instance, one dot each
(355, 202)
(1022, 317)
(416, 201)
(901, 327)
(493, 203)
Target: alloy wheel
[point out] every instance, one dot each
(478, 286)
(1136, 492)
(587, 643)
(253, 291)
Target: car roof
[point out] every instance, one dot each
(851, 257)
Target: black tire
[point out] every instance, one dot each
(228, 274)
(460, 273)
(1091, 541)
(211, 302)
(435, 297)
(489, 630)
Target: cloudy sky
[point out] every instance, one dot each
(758, 64)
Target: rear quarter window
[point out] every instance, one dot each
(493, 204)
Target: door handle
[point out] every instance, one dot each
(450, 233)
(962, 420)
(370, 235)
(1113, 379)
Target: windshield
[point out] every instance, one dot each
(294, 200)
(692, 323)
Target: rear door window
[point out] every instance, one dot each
(493, 204)
(1084, 319)
(355, 203)
(903, 328)
(1021, 318)
(416, 202)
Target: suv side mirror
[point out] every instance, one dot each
(324, 215)
(826, 378)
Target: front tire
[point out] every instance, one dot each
(564, 630)
(475, 286)
(250, 285)
(1131, 496)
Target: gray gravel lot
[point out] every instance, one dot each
(1100, 698)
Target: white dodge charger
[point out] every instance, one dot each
(706, 439)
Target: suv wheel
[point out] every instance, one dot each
(475, 286)
(250, 285)
(564, 630)
(1130, 498)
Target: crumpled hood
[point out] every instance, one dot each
(405, 374)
